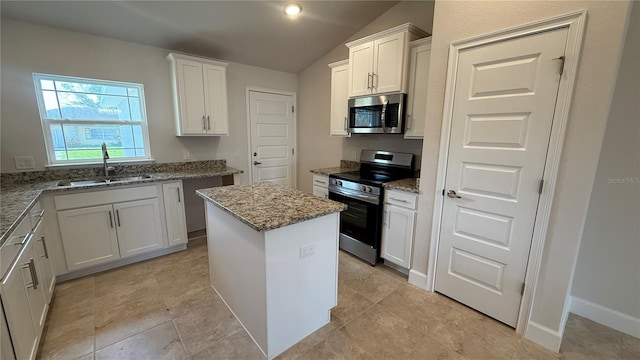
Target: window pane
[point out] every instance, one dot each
(46, 85)
(51, 105)
(90, 88)
(74, 106)
(57, 137)
(136, 112)
(140, 152)
(133, 92)
(61, 155)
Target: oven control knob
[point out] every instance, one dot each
(339, 183)
(363, 188)
(369, 189)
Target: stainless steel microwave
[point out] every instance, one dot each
(381, 114)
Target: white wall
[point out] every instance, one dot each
(608, 268)
(457, 20)
(27, 48)
(317, 149)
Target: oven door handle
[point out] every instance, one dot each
(383, 115)
(364, 198)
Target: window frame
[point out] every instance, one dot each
(47, 123)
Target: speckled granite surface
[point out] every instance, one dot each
(345, 166)
(19, 191)
(266, 206)
(410, 185)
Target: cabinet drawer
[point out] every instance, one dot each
(321, 181)
(401, 198)
(320, 191)
(12, 246)
(93, 198)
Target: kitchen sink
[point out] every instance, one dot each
(102, 181)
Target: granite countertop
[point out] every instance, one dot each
(17, 197)
(266, 206)
(345, 166)
(410, 185)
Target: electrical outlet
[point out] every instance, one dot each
(24, 162)
(186, 155)
(307, 251)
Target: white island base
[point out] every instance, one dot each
(280, 284)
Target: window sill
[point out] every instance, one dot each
(99, 164)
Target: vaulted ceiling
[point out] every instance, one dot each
(250, 32)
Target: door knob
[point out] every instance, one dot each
(452, 194)
(256, 163)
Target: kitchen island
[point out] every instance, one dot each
(273, 259)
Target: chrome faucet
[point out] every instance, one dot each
(105, 157)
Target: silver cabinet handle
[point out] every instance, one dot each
(118, 217)
(40, 214)
(32, 271)
(385, 222)
(24, 240)
(345, 123)
(110, 219)
(372, 80)
(368, 80)
(256, 163)
(452, 194)
(401, 200)
(208, 123)
(178, 191)
(204, 125)
(320, 182)
(408, 122)
(44, 247)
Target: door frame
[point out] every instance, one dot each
(294, 167)
(575, 22)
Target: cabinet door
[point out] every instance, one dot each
(31, 272)
(138, 227)
(175, 213)
(47, 279)
(215, 94)
(320, 191)
(388, 62)
(6, 349)
(19, 320)
(88, 236)
(191, 97)
(417, 94)
(397, 235)
(360, 69)
(339, 99)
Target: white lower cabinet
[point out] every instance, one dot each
(398, 227)
(88, 236)
(24, 302)
(175, 213)
(138, 227)
(321, 185)
(48, 278)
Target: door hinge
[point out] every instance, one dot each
(522, 290)
(562, 59)
(293, 109)
(541, 186)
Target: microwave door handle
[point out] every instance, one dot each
(383, 116)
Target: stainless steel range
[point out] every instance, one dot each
(362, 191)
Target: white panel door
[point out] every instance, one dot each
(417, 94)
(272, 137)
(388, 60)
(138, 226)
(339, 99)
(505, 96)
(175, 213)
(88, 236)
(215, 93)
(360, 68)
(397, 235)
(191, 96)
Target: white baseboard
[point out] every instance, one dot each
(542, 335)
(605, 316)
(418, 279)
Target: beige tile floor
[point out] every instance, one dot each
(165, 309)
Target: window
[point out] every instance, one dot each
(78, 115)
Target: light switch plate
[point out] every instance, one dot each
(307, 251)
(24, 162)
(186, 155)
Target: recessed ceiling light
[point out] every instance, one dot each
(292, 9)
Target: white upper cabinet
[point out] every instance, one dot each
(378, 63)
(417, 94)
(200, 95)
(339, 97)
